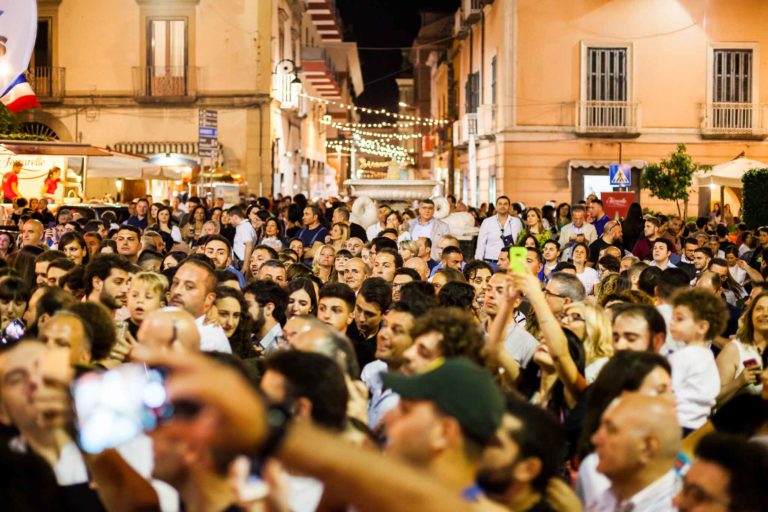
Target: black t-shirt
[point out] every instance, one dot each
(365, 348)
(597, 246)
(357, 231)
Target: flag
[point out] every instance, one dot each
(19, 96)
(18, 26)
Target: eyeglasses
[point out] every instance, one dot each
(553, 294)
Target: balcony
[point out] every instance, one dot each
(317, 68)
(325, 16)
(472, 10)
(486, 121)
(47, 82)
(608, 119)
(165, 83)
(734, 121)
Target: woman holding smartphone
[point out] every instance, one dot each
(743, 358)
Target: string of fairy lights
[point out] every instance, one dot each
(427, 121)
(327, 120)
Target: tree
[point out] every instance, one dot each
(754, 205)
(671, 179)
(10, 128)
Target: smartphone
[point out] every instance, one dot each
(115, 406)
(13, 333)
(517, 257)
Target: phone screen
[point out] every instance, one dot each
(517, 257)
(114, 407)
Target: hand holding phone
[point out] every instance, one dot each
(517, 259)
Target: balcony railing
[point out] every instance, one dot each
(607, 117)
(165, 83)
(47, 82)
(734, 120)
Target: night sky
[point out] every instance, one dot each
(384, 23)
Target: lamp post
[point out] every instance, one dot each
(287, 83)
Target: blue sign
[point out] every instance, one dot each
(620, 175)
(208, 132)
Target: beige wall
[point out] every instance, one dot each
(539, 44)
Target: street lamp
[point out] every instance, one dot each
(287, 85)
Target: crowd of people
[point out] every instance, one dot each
(565, 360)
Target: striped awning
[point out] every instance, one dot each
(153, 148)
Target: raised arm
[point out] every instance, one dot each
(552, 334)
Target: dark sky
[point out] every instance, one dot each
(384, 23)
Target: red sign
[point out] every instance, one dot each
(617, 202)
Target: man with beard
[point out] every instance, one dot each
(392, 340)
(266, 301)
(517, 469)
(193, 290)
(107, 279)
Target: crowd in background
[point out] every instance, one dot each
(610, 364)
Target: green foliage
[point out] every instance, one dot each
(671, 179)
(10, 129)
(755, 207)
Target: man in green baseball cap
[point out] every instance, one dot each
(445, 418)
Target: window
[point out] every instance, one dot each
(472, 92)
(732, 88)
(167, 57)
(607, 74)
(606, 95)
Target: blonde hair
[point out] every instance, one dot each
(598, 337)
(156, 282)
(316, 259)
(344, 230)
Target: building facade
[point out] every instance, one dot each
(554, 92)
(133, 75)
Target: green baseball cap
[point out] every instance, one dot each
(462, 390)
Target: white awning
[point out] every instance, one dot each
(728, 174)
(601, 164)
(129, 167)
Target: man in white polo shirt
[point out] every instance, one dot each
(245, 237)
(497, 232)
(193, 290)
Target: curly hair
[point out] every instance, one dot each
(461, 336)
(746, 330)
(705, 306)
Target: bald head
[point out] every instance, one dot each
(32, 233)
(419, 265)
(157, 331)
(638, 436)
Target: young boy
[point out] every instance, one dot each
(697, 317)
(146, 294)
(336, 305)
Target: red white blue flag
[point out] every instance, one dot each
(18, 30)
(19, 96)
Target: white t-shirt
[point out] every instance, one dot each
(212, 337)
(589, 279)
(696, 384)
(244, 234)
(519, 343)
